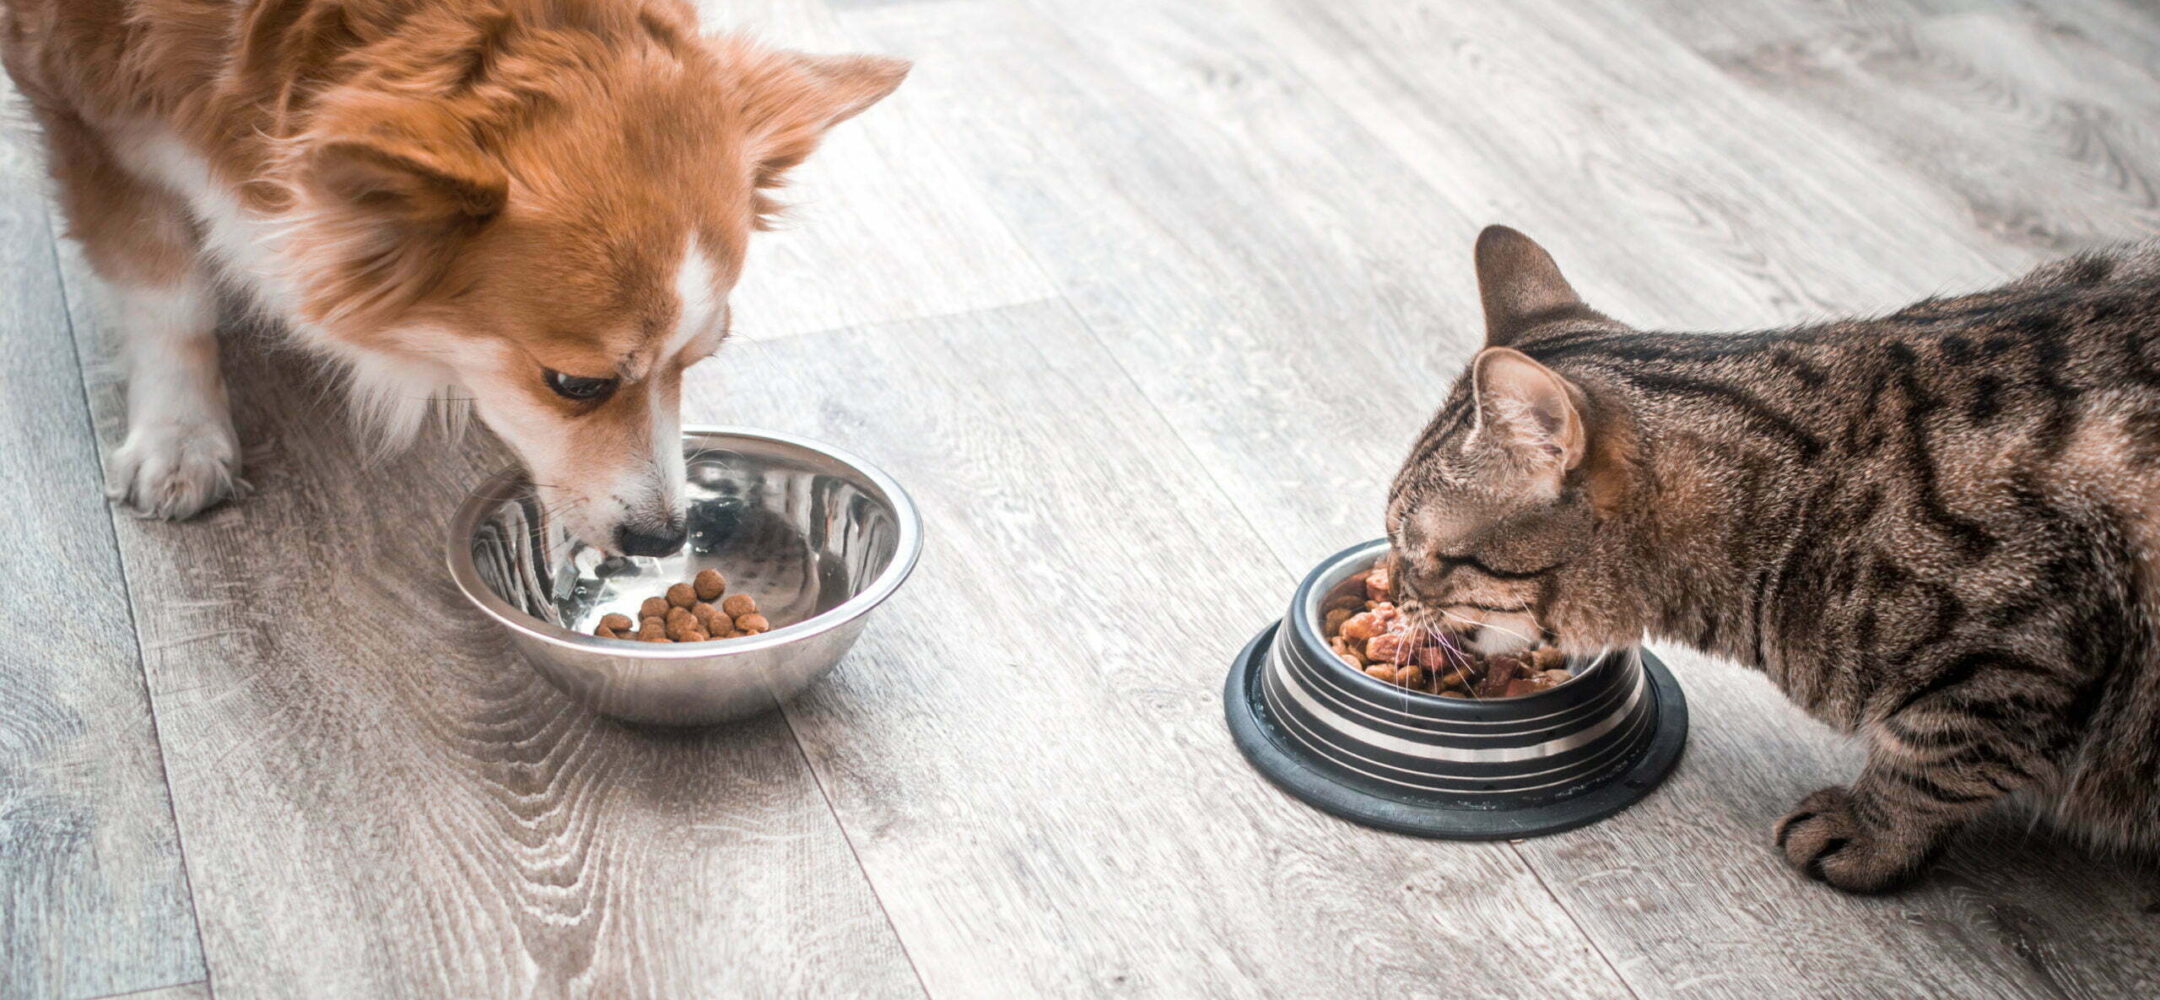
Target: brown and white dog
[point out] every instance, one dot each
(541, 204)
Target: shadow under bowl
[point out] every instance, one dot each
(1388, 757)
(818, 537)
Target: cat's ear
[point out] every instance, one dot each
(1529, 410)
(1521, 286)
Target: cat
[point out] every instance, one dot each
(1939, 529)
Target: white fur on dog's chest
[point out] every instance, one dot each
(250, 249)
(391, 393)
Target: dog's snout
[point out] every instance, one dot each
(637, 542)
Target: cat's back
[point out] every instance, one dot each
(2129, 264)
(2029, 370)
(2049, 384)
(2084, 299)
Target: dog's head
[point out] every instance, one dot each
(547, 215)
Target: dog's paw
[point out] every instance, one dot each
(172, 471)
(1827, 842)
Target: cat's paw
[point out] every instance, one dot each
(173, 470)
(1827, 842)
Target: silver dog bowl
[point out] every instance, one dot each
(817, 536)
(1402, 760)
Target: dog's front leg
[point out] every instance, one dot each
(180, 454)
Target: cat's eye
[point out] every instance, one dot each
(1443, 561)
(579, 387)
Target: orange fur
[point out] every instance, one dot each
(437, 185)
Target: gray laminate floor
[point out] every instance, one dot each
(1137, 298)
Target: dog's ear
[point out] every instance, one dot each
(391, 200)
(792, 98)
(404, 184)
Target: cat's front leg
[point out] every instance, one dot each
(1831, 837)
(1887, 826)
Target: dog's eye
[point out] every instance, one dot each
(578, 386)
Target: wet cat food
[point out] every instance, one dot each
(687, 612)
(1365, 630)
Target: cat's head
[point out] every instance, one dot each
(1495, 513)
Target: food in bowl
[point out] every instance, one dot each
(1363, 627)
(687, 613)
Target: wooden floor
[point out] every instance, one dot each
(1143, 300)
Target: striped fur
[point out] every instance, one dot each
(1936, 528)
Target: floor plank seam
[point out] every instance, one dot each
(787, 717)
(1294, 574)
(1177, 430)
(754, 340)
(1291, 569)
(1064, 298)
(152, 992)
(1580, 930)
(142, 662)
(1192, 456)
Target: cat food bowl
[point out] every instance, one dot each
(817, 537)
(1456, 768)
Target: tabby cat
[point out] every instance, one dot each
(1940, 529)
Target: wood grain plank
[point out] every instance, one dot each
(2045, 136)
(2128, 28)
(381, 800)
(1255, 260)
(184, 991)
(93, 891)
(1582, 123)
(1028, 749)
(882, 224)
(1748, 23)
(1674, 195)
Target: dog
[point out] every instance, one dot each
(539, 205)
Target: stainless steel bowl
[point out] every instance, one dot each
(818, 536)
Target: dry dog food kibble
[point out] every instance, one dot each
(1366, 632)
(709, 585)
(688, 612)
(679, 621)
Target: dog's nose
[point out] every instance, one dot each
(640, 543)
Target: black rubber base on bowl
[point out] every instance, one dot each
(1284, 762)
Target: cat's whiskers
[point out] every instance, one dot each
(1458, 658)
